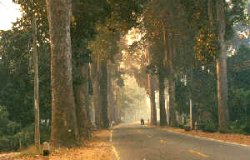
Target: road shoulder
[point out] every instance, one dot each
(98, 147)
(233, 139)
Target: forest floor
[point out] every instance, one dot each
(225, 137)
(98, 148)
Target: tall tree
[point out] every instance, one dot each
(221, 69)
(104, 93)
(161, 78)
(95, 73)
(81, 90)
(213, 22)
(83, 30)
(171, 81)
(153, 119)
(36, 85)
(64, 131)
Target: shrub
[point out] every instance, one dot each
(209, 127)
(12, 137)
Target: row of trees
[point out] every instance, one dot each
(82, 38)
(82, 52)
(184, 38)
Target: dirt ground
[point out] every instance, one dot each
(98, 148)
(228, 137)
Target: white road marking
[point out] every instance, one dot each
(198, 153)
(163, 141)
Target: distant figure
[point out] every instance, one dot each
(46, 149)
(142, 121)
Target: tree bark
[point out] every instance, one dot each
(64, 131)
(96, 93)
(153, 120)
(82, 103)
(111, 100)
(161, 78)
(36, 85)
(118, 105)
(151, 91)
(221, 70)
(169, 51)
(172, 117)
(104, 94)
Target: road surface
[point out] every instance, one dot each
(136, 142)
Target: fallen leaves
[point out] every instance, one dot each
(98, 148)
(235, 138)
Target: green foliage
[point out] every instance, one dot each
(16, 76)
(8, 131)
(236, 12)
(209, 127)
(207, 45)
(203, 88)
(196, 12)
(239, 127)
(124, 14)
(239, 90)
(15, 137)
(8, 143)
(123, 17)
(105, 44)
(181, 97)
(16, 85)
(7, 127)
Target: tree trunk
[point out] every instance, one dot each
(104, 94)
(36, 85)
(169, 51)
(64, 131)
(151, 91)
(161, 78)
(118, 105)
(152, 100)
(111, 93)
(96, 93)
(221, 71)
(172, 117)
(82, 103)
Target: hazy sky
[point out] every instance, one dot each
(9, 12)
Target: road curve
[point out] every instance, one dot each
(136, 142)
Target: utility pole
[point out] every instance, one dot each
(36, 85)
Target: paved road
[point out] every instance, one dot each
(136, 142)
